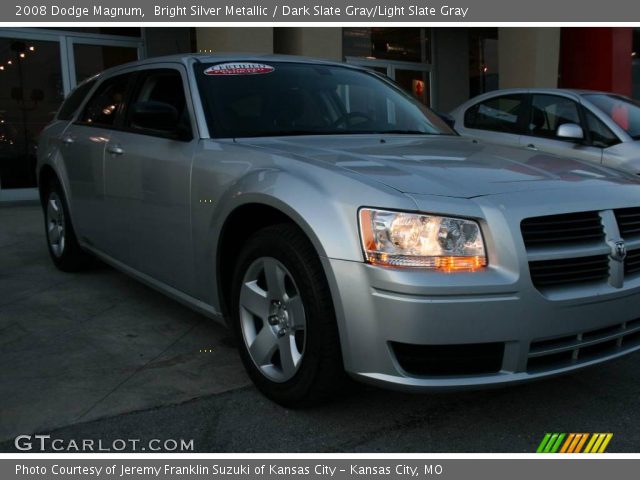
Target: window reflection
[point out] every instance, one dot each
(30, 93)
(407, 44)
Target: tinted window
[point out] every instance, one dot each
(548, 112)
(106, 102)
(305, 99)
(74, 100)
(165, 87)
(601, 136)
(498, 114)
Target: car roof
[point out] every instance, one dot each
(189, 58)
(571, 91)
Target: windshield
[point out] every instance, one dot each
(248, 99)
(622, 110)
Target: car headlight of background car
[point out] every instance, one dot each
(402, 239)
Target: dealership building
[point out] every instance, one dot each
(442, 67)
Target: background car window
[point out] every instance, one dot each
(622, 110)
(498, 114)
(102, 108)
(548, 112)
(74, 100)
(601, 136)
(163, 86)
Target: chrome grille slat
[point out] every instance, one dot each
(628, 221)
(546, 273)
(570, 228)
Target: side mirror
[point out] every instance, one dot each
(570, 131)
(157, 116)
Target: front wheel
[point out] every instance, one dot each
(284, 318)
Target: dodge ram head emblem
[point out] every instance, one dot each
(618, 250)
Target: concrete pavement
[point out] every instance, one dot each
(76, 347)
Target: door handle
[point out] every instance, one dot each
(67, 140)
(115, 149)
(531, 146)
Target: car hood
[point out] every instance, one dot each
(442, 165)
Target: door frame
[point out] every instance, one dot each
(393, 65)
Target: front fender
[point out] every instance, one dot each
(323, 201)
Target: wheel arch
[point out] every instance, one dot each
(236, 230)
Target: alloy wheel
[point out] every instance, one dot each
(55, 224)
(272, 319)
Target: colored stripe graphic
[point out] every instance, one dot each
(574, 443)
(550, 443)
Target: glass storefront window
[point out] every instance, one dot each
(31, 91)
(405, 44)
(403, 54)
(415, 82)
(483, 60)
(92, 59)
(34, 78)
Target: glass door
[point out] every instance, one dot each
(31, 90)
(89, 57)
(414, 78)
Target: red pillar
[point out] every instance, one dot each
(596, 58)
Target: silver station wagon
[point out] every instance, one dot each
(339, 228)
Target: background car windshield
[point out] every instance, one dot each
(624, 111)
(305, 99)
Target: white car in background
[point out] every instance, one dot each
(600, 127)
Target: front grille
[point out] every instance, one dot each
(566, 271)
(582, 347)
(632, 262)
(449, 360)
(628, 222)
(570, 228)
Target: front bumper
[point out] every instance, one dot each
(378, 308)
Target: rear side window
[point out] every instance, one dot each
(548, 112)
(106, 102)
(498, 114)
(73, 101)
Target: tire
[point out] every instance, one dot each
(283, 317)
(65, 252)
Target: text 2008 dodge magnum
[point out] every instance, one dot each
(338, 226)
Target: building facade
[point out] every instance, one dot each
(441, 67)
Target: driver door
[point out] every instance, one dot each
(147, 177)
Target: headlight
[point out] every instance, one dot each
(399, 239)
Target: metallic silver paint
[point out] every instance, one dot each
(156, 212)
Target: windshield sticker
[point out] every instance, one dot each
(239, 69)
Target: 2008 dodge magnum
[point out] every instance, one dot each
(339, 226)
